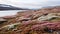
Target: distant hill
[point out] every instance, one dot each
(9, 7)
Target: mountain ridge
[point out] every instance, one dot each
(10, 7)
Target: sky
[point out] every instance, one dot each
(31, 4)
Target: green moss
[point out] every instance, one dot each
(54, 19)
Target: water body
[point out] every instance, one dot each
(9, 12)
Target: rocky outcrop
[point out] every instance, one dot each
(42, 21)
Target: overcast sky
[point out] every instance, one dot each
(27, 4)
(31, 3)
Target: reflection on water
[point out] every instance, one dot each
(9, 12)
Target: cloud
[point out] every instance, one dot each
(31, 3)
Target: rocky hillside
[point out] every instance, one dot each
(41, 21)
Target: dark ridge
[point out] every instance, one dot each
(9, 7)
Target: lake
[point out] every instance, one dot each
(9, 12)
